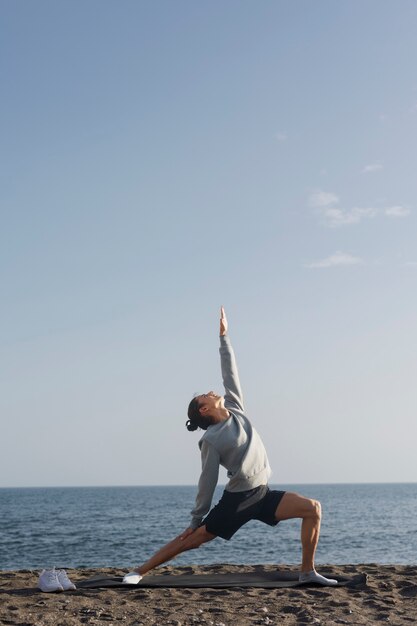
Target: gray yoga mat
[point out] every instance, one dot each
(264, 580)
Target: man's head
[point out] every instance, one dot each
(203, 410)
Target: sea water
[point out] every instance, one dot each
(123, 526)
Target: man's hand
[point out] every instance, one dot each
(187, 532)
(223, 322)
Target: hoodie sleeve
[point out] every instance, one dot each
(210, 461)
(233, 392)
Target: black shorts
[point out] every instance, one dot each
(235, 509)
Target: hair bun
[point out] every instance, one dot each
(190, 426)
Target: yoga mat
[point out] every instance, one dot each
(263, 580)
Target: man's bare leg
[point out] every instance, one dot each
(182, 543)
(293, 506)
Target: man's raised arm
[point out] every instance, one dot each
(233, 392)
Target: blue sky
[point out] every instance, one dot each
(160, 159)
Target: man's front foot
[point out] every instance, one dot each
(132, 578)
(314, 577)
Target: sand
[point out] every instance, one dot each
(390, 597)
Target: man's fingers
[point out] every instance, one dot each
(223, 322)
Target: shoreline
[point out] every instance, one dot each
(390, 596)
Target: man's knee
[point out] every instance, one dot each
(199, 536)
(315, 509)
(312, 509)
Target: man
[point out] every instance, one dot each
(231, 441)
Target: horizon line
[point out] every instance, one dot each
(394, 482)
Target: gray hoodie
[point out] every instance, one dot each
(233, 443)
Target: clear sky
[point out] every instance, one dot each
(159, 159)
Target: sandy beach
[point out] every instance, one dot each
(390, 596)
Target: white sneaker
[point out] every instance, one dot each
(48, 581)
(65, 582)
(132, 578)
(314, 577)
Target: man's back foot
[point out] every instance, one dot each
(132, 578)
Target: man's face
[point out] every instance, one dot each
(210, 400)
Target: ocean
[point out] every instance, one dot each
(122, 526)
